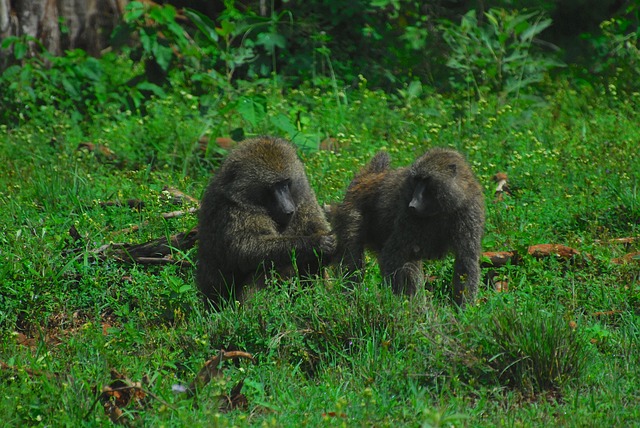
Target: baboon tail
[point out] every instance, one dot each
(379, 163)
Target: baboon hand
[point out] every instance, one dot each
(327, 244)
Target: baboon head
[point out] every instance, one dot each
(435, 180)
(266, 177)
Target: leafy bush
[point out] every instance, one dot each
(618, 49)
(75, 82)
(499, 54)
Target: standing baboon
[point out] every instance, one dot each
(406, 215)
(257, 214)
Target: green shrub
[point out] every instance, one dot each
(497, 54)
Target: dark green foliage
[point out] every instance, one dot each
(498, 53)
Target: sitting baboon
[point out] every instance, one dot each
(406, 215)
(258, 214)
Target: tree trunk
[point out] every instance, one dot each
(61, 24)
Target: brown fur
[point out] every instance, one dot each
(246, 228)
(407, 215)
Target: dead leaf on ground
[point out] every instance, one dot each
(606, 313)
(501, 286)
(235, 400)
(122, 393)
(212, 369)
(334, 415)
(627, 258)
(203, 143)
(499, 258)
(330, 144)
(23, 340)
(226, 143)
(546, 250)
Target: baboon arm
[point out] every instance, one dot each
(310, 220)
(466, 275)
(348, 226)
(261, 242)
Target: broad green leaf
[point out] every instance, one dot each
(148, 86)
(8, 41)
(415, 89)
(284, 124)
(163, 55)
(206, 26)
(270, 41)
(250, 110)
(134, 10)
(19, 50)
(535, 29)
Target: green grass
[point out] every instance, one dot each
(536, 355)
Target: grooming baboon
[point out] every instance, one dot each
(256, 214)
(406, 215)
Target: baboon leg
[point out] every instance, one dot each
(466, 275)
(406, 279)
(350, 243)
(352, 264)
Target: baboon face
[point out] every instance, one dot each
(279, 202)
(424, 202)
(434, 183)
(273, 181)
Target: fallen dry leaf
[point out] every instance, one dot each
(121, 393)
(627, 258)
(501, 187)
(211, 369)
(546, 250)
(235, 400)
(225, 143)
(606, 313)
(501, 286)
(499, 258)
(23, 340)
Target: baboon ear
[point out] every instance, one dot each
(453, 168)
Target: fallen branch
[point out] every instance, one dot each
(627, 240)
(178, 196)
(179, 213)
(158, 251)
(134, 204)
